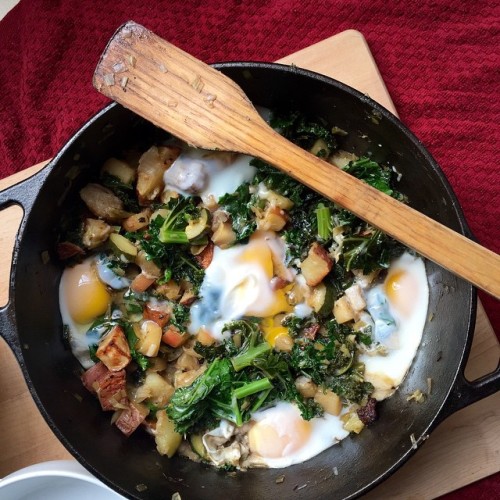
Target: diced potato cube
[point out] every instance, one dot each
(159, 313)
(274, 198)
(141, 282)
(114, 350)
(171, 290)
(342, 310)
(119, 169)
(356, 298)
(187, 362)
(95, 233)
(283, 343)
(152, 166)
(273, 219)
(137, 221)
(342, 158)
(316, 265)
(167, 440)
(329, 401)
(156, 389)
(320, 148)
(204, 337)
(306, 386)
(317, 297)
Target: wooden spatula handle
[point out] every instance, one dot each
(203, 107)
(431, 239)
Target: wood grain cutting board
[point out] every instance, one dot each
(465, 448)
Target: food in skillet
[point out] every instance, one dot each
(231, 312)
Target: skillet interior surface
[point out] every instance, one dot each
(342, 471)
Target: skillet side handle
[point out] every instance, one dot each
(22, 194)
(464, 393)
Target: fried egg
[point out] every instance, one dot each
(82, 298)
(239, 282)
(398, 310)
(208, 174)
(280, 437)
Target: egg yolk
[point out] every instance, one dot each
(272, 331)
(86, 296)
(278, 439)
(401, 290)
(259, 253)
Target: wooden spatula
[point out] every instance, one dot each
(200, 105)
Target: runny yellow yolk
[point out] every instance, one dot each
(401, 290)
(259, 254)
(86, 296)
(278, 439)
(272, 331)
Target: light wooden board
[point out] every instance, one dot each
(464, 449)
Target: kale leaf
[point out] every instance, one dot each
(372, 173)
(239, 206)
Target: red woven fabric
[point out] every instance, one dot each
(439, 59)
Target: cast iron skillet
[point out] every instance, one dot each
(32, 326)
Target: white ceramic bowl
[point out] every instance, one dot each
(56, 480)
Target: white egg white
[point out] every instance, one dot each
(235, 286)
(78, 339)
(208, 174)
(398, 324)
(325, 431)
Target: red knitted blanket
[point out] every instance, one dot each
(439, 59)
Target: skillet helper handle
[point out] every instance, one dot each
(22, 194)
(466, 392)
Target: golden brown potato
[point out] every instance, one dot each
(316, 265)
(342, 310)
(152, 166)
(272, 219)
(119, 169)
(103, 203)
(306, 386)
(114, 350)
(95, 233)
(167, 440)
(329, 401)
(137, 221)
